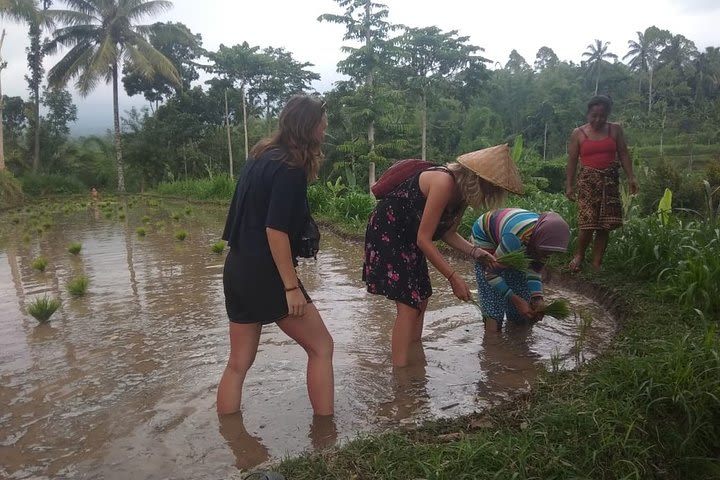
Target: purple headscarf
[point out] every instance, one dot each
(551, 234)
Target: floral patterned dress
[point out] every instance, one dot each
(394, 266)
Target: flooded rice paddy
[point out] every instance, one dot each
(120, 383)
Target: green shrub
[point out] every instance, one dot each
(38, 185)
(11, 192)
(42, 308)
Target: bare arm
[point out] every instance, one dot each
(282, 256)
(571, 170)
(625, 161)
(458, 243)
(438, 188)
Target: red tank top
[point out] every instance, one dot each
(598, 154)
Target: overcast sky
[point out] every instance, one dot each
(497, 26)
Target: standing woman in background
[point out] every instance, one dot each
(598, 145)
(263, 230)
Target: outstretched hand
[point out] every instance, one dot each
(460, 288)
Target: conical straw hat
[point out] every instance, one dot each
(494, 165)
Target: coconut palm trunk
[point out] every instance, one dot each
(116, 124)
(2, 106)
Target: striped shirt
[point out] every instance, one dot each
(503, 231)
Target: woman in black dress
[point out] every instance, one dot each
(426, 207)
(266, 217)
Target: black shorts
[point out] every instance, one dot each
(254, 291)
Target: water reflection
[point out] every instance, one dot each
(248, 449)
(121, 383)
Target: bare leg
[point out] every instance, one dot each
(310, 333)
(244, 339)
(584, 238)
(492, 326)
(404, 333)
(599, 246)
(418, 327)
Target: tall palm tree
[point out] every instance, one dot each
(17, 10)
(102, 36)
(643, 55)
(596, 53)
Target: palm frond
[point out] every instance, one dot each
(141, 9)
(149, 61)
(71, 64)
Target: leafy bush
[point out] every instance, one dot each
(11, 192)
(38, 185)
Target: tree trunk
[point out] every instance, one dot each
(36, 133)
(2, 106)
(545, 143)
(116, 124)
(370, 81)
(424, 126)
(597, 82)
(650, 91)
(244, 105)
(227, 126)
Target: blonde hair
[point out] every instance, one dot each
(475, 190)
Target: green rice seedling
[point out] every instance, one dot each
(218, 247)
(15, 219)
(42, 308)
(555, 361)
(140, 231)
(559, 309)
(74, 248)
(39, 230)
(160, 226)
(121, 216)
(108, 214)
(78, 286)
(26, 238)
(145, 219)
(188, 211)
(515, 259)
(181, 235)
(47, 224)
(40, 263)
(176, 216)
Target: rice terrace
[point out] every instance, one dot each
(114, 310)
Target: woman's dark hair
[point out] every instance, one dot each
(603, 100)
(297, 134)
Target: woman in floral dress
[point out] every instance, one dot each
(428, 206)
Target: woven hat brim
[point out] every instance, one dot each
(494, 165)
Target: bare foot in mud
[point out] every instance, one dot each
(575, 264)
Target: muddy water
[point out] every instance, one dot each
(121, 382)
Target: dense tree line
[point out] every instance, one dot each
(408, 92)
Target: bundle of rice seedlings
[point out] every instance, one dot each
(218, 247)
(78, 286)
(43, 307)
(515, 259)
(559, 309)
(74, 248)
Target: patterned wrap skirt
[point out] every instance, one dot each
(598, 199)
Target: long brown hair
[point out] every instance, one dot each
(297, 134)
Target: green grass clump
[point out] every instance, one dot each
(515, 259)
(176, 216)
(145, 219)
(121, 216)
(40, 263)
(74, 248)
(26, 238)
(181, 235)
(42, 308)
(559, 309)
(218, 247)
(78, 286)
(140, 231)
(160, 226)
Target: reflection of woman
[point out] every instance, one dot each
(267, 213)
(598, 144)
(506, 290)
(429, 206)
(248, 450)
